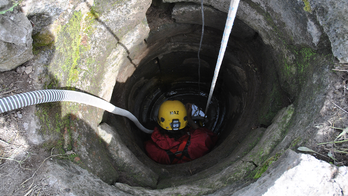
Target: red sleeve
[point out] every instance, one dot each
(202, 141)
(155, 153)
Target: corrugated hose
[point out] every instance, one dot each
(54, 95)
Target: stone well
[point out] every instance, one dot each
(135, 54)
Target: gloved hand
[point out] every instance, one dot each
(189, 118)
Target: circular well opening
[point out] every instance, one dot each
(171, 70)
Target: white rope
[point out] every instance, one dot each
(228, 28)
(199, 49)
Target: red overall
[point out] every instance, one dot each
(198, 143)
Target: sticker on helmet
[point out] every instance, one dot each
(174, 112)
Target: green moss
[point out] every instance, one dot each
(51, 83)
(261, 169)
(272, 105)
(295, 60)
(295, 142)
(71, 157)
(297, 66)
(42, 39)
(70, 108)
(261, 152)
(118, 2)
(242, 171)
(68, 45)
(292, 57)
(49, 116)
(306, 55)
(73, 62)
(53, 125)
(92, 15)
(288, 68)
(49, 145)
(307, 6)
(44, 117)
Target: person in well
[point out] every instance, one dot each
(178, 138)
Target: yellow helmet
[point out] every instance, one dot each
(172, 115)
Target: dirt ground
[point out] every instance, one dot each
(333, 143)
(20, 158)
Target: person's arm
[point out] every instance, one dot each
(189, 118)
(156, 153)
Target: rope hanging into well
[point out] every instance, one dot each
(199, 49)
(228, 28)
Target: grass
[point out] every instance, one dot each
(19, 162)
(9, 9)
(339, 149)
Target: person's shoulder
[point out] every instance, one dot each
(157, 131)
(201, 130)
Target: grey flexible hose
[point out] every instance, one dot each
(53, 95)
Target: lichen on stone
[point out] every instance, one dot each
(307, 6)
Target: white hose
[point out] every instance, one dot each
(228, 27)
(53, 95)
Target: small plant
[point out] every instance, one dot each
(305, 149)
(341, 138)
(11, 8)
